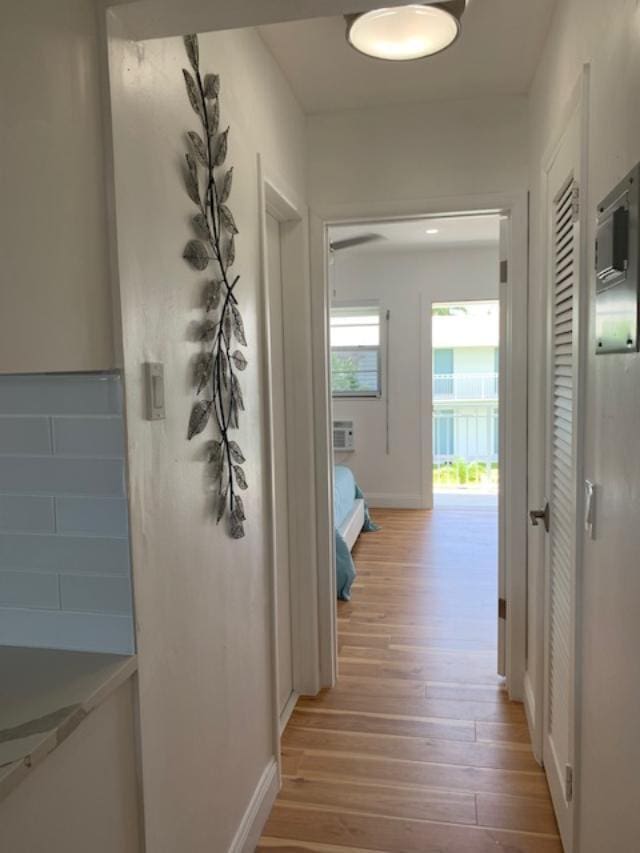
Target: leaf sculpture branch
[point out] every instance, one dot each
(208, 183)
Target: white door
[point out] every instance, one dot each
(281, 522)
(562, 464)
(505, 250)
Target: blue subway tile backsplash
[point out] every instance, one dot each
(64, 548)
(98, 594)
(56, 475)
(84, 554)
(27, 514)
(25, 435)
(92, 516)
(61, 394)
(30, 589)
(92, 437)
(61, 629)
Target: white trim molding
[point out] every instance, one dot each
(301, 429)
(530, 713)
(324, 455)
(258, 810)
(386, 501)
(287, 711)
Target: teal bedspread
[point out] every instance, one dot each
(346, 490)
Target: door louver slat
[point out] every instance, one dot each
(562, 484)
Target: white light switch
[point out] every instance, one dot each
(154, 381)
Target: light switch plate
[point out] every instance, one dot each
(154, 386)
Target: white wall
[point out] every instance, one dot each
(55, 302)
(203, 604)
(85, 795)
(390, 156)
(607, 36)
(406, 283)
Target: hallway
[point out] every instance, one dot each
(417, 749)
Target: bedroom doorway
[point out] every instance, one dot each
(388, 412)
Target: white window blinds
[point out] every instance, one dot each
(355, 351)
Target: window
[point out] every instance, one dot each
(443, 378)
(355, 351)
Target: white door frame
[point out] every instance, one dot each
(276, 200)
(514, 475)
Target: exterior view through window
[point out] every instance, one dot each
(465, 339)
(355, 351)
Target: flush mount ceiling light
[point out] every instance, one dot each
(432, 231)
(401, 33)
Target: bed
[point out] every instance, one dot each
(351, 516)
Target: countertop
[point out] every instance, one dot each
(44, 695)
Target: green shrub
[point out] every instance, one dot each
(461, 473)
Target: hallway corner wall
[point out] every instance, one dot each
(608, 580)
(203, 601)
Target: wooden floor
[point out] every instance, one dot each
(417, 749)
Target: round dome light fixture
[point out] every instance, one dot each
(402, 33)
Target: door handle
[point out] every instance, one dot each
(538, 515)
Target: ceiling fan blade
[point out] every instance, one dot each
(350, 242)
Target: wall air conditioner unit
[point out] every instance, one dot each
(343, 436)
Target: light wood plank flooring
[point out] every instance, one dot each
(417, 749)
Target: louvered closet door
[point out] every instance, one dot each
(562, 464)
(562, 495)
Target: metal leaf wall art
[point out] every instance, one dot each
(208, 182)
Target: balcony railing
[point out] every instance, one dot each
(465, 386)
(465, 450)
(468, 437)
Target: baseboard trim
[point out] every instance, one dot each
(530, 712)
(250, 829)
(383, 501)
(287, 711)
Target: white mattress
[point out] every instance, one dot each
(352, 525)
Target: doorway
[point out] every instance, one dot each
(415, 377)
(465, 393)
(510, 269)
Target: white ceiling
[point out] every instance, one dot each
(412, 234)
(496, 54)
